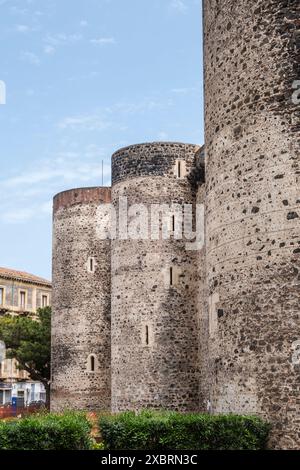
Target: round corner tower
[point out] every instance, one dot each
(252, 144)
(154, 282)
(81, 301)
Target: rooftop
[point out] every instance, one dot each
(23, 276)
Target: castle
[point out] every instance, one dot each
(148, 323)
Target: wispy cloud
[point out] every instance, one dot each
(179, 5)
(53, 41)
(34, 188)
(114, 116)
(92, 122)
(181, 91)
(49, 50)
(22, 28)
(147, 104)
(162, 136)
(103, 41)
(30, 58)
(15, 10)
(186, 90)
(63, 39)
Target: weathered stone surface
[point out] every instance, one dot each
(163, 373)
(81, 303)
(252, 198)
(224, 335)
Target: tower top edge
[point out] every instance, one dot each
(83, 195)
(156, 144)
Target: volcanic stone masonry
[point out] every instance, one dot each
(81, 303)
(143, 323)
(154, 313)
(126, 310)
(253, 210)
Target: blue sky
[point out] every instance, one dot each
(84, 78)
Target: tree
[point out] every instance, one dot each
(28, 340)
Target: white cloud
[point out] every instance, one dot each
(24, 214)
(34, 188)
(15, 10)
(84, 122)
(25, 29)
(30, 58)
(143, 106)
(162, 136)
(49, 50)
(186, 90)
(103, 41)
(22, 28)
(62, 39)
(180, 91)
(179, 6)
(53, 41)
(17, 215)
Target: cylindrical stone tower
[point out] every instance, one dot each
(154, 283)
(253, 209)
(81, 302)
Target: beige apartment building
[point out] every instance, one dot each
(20, 294)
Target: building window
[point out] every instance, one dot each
(1, 296)
(91, 364)
(147, 335)
(22, 299)
(45, 301)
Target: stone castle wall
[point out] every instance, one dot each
(81, 303)
(214, 328)
(253, 210)
(154, 323)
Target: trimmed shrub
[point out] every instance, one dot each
(69, 431)
(151, 430)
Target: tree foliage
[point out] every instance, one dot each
(164, 430)
(28, 340)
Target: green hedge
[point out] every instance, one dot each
(70, 431)
(151, 430)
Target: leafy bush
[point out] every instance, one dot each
(69, 431)
(150, 430)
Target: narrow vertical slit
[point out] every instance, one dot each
(92, 364)
(147, 335)
(171, 276)
(179, 169)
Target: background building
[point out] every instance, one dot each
(20, 294)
